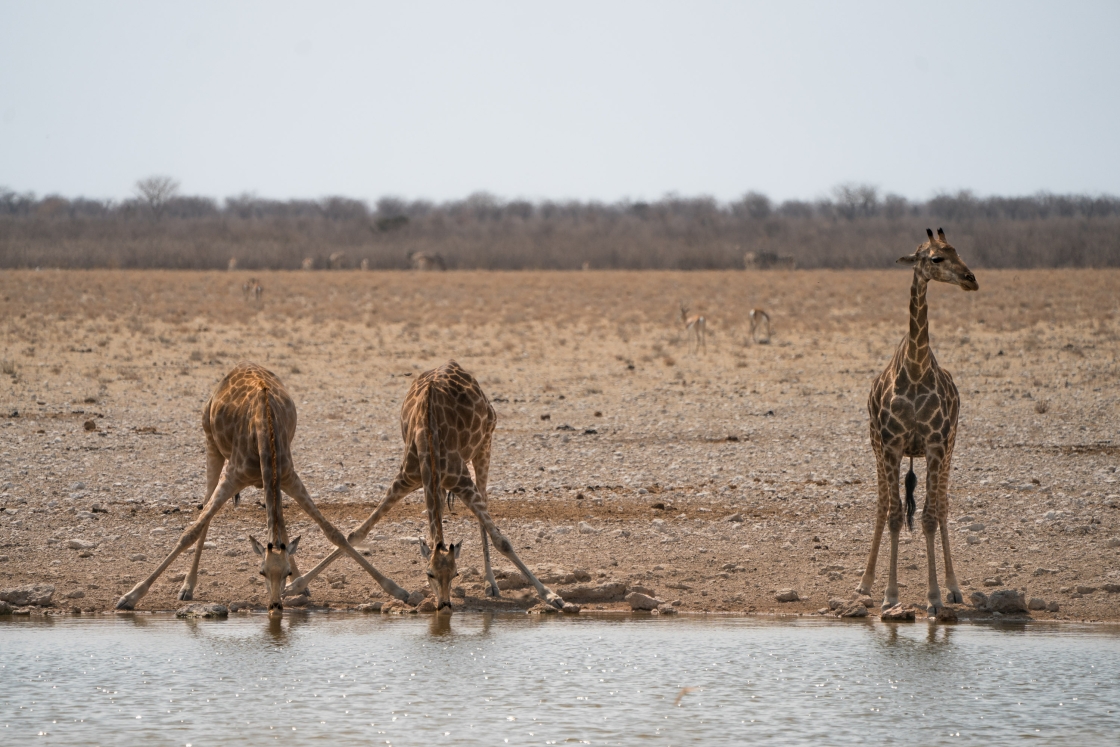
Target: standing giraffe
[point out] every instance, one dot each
(913, 408)
(695, 328)
(446, 422)
(250, 421)
(757, 316)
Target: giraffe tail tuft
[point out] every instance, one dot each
(911, 506)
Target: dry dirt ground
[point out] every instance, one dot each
(604, 418)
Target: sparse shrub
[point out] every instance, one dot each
(1042, 406)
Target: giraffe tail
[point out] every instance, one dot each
(270, 467)
(434, 483)
(911, 506)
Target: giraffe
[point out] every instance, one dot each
(446, 422)
(695, 327)
(913, 409)
(249, 422)
(757, 316)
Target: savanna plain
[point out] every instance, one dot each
(623, 460)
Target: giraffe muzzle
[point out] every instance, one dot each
(444, 605)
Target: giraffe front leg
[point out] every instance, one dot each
(225, 490)
(930, 523)
(882, 507)
(400, 488)
(215, 462)
(293, 486)
(894, 523)
(186, 593)
(492, 583)
(955, 596)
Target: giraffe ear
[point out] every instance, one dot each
(940, 235)
(293, 546)
(425, 551)
(256, 545)
(929, 233)
(457, 548)
(909, 259)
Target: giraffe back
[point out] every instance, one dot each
(460, 411)
(235, 419)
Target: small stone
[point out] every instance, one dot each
(979, 600)
(238, 606)
(864, 599)
(947, 615)
(835, 576)
(5, 608)
(426, 606)
(77, 544)
(585, 528)
(737, 518)
(1113, 542)
(370, 607)
(202, 610)
(639, 601)
(994, 581)
(76, 594)
(852, 609)
(85, 554)
(667, 609)
(570, 608)
(37, 595)
(156, 531)
(972, 539)
(395, 607)
(1007, 602)
(298, 601)
(3, 558)
(89, 425)
(1036, 603)
(1044, 571)
(177, 577)
(540, 608)
(612, 591)
(415, 598)
(1111, 588)
(976, 527)
(137, 557)
(836, 603)
(1052, 607)
(787, 595)
(898, 612)
(1085, 589)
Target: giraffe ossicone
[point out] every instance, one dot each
(913, 409)
(249, 422)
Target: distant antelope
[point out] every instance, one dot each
(365, 264)
(695, 327)
(757, 317)
(427, 261)
(248, 288)
(337, 259)
(307, 264)
(232, 264)
(258, 291)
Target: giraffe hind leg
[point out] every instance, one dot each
(492, 583)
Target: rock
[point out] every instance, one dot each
(787, 595)
(426, 606)
(612, 591)
(571, 608)
(137, 557)
(157, 532)
(972, 539)
(667, 609)
(1113, 542)
(835, 576)
(76, 594)
(396, 607)
(415, 598)
(85, 554)
(540, 608)
(1085, 589)
(836, 603)
(512, 580)
(979, 600)
(1111, 588)
(852, 609)
(370, 607)
(898, 612)
(1044, 571)
(643, 590)
(299, 601)
(202, 610)
(1052, 607)
(1036, 603)
(77, 544)
(995, 581)
(561, 530)
(37, 595)
(947, 615)
(639, 601)
(736, 518)
(1007, 602)
(585, 528)
(5, 608)
(581, 575)
(864, 599)
(976, 527)
(3, 558)
(177, 577)
(238, 606)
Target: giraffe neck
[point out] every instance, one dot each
(273, 499)
(435, 526)
(918, 357)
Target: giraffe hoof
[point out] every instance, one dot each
(124, 603)
(555, 601)
(186, 595)
(955, 597)
(492, 591)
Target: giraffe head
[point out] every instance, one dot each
(441, 570)
(276, 568)
(937, 260)
(684, 312)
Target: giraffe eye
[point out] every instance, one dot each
(938, 260)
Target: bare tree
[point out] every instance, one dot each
(157, 191)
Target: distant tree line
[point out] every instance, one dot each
(855, 227)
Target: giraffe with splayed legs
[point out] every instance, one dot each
(249, 422)
(913, 409)
(446, 422)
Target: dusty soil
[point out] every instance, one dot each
(605, 418)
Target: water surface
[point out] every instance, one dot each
(477, 679)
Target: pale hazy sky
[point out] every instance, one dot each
(600, 100)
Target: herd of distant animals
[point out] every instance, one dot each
(447, 423)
